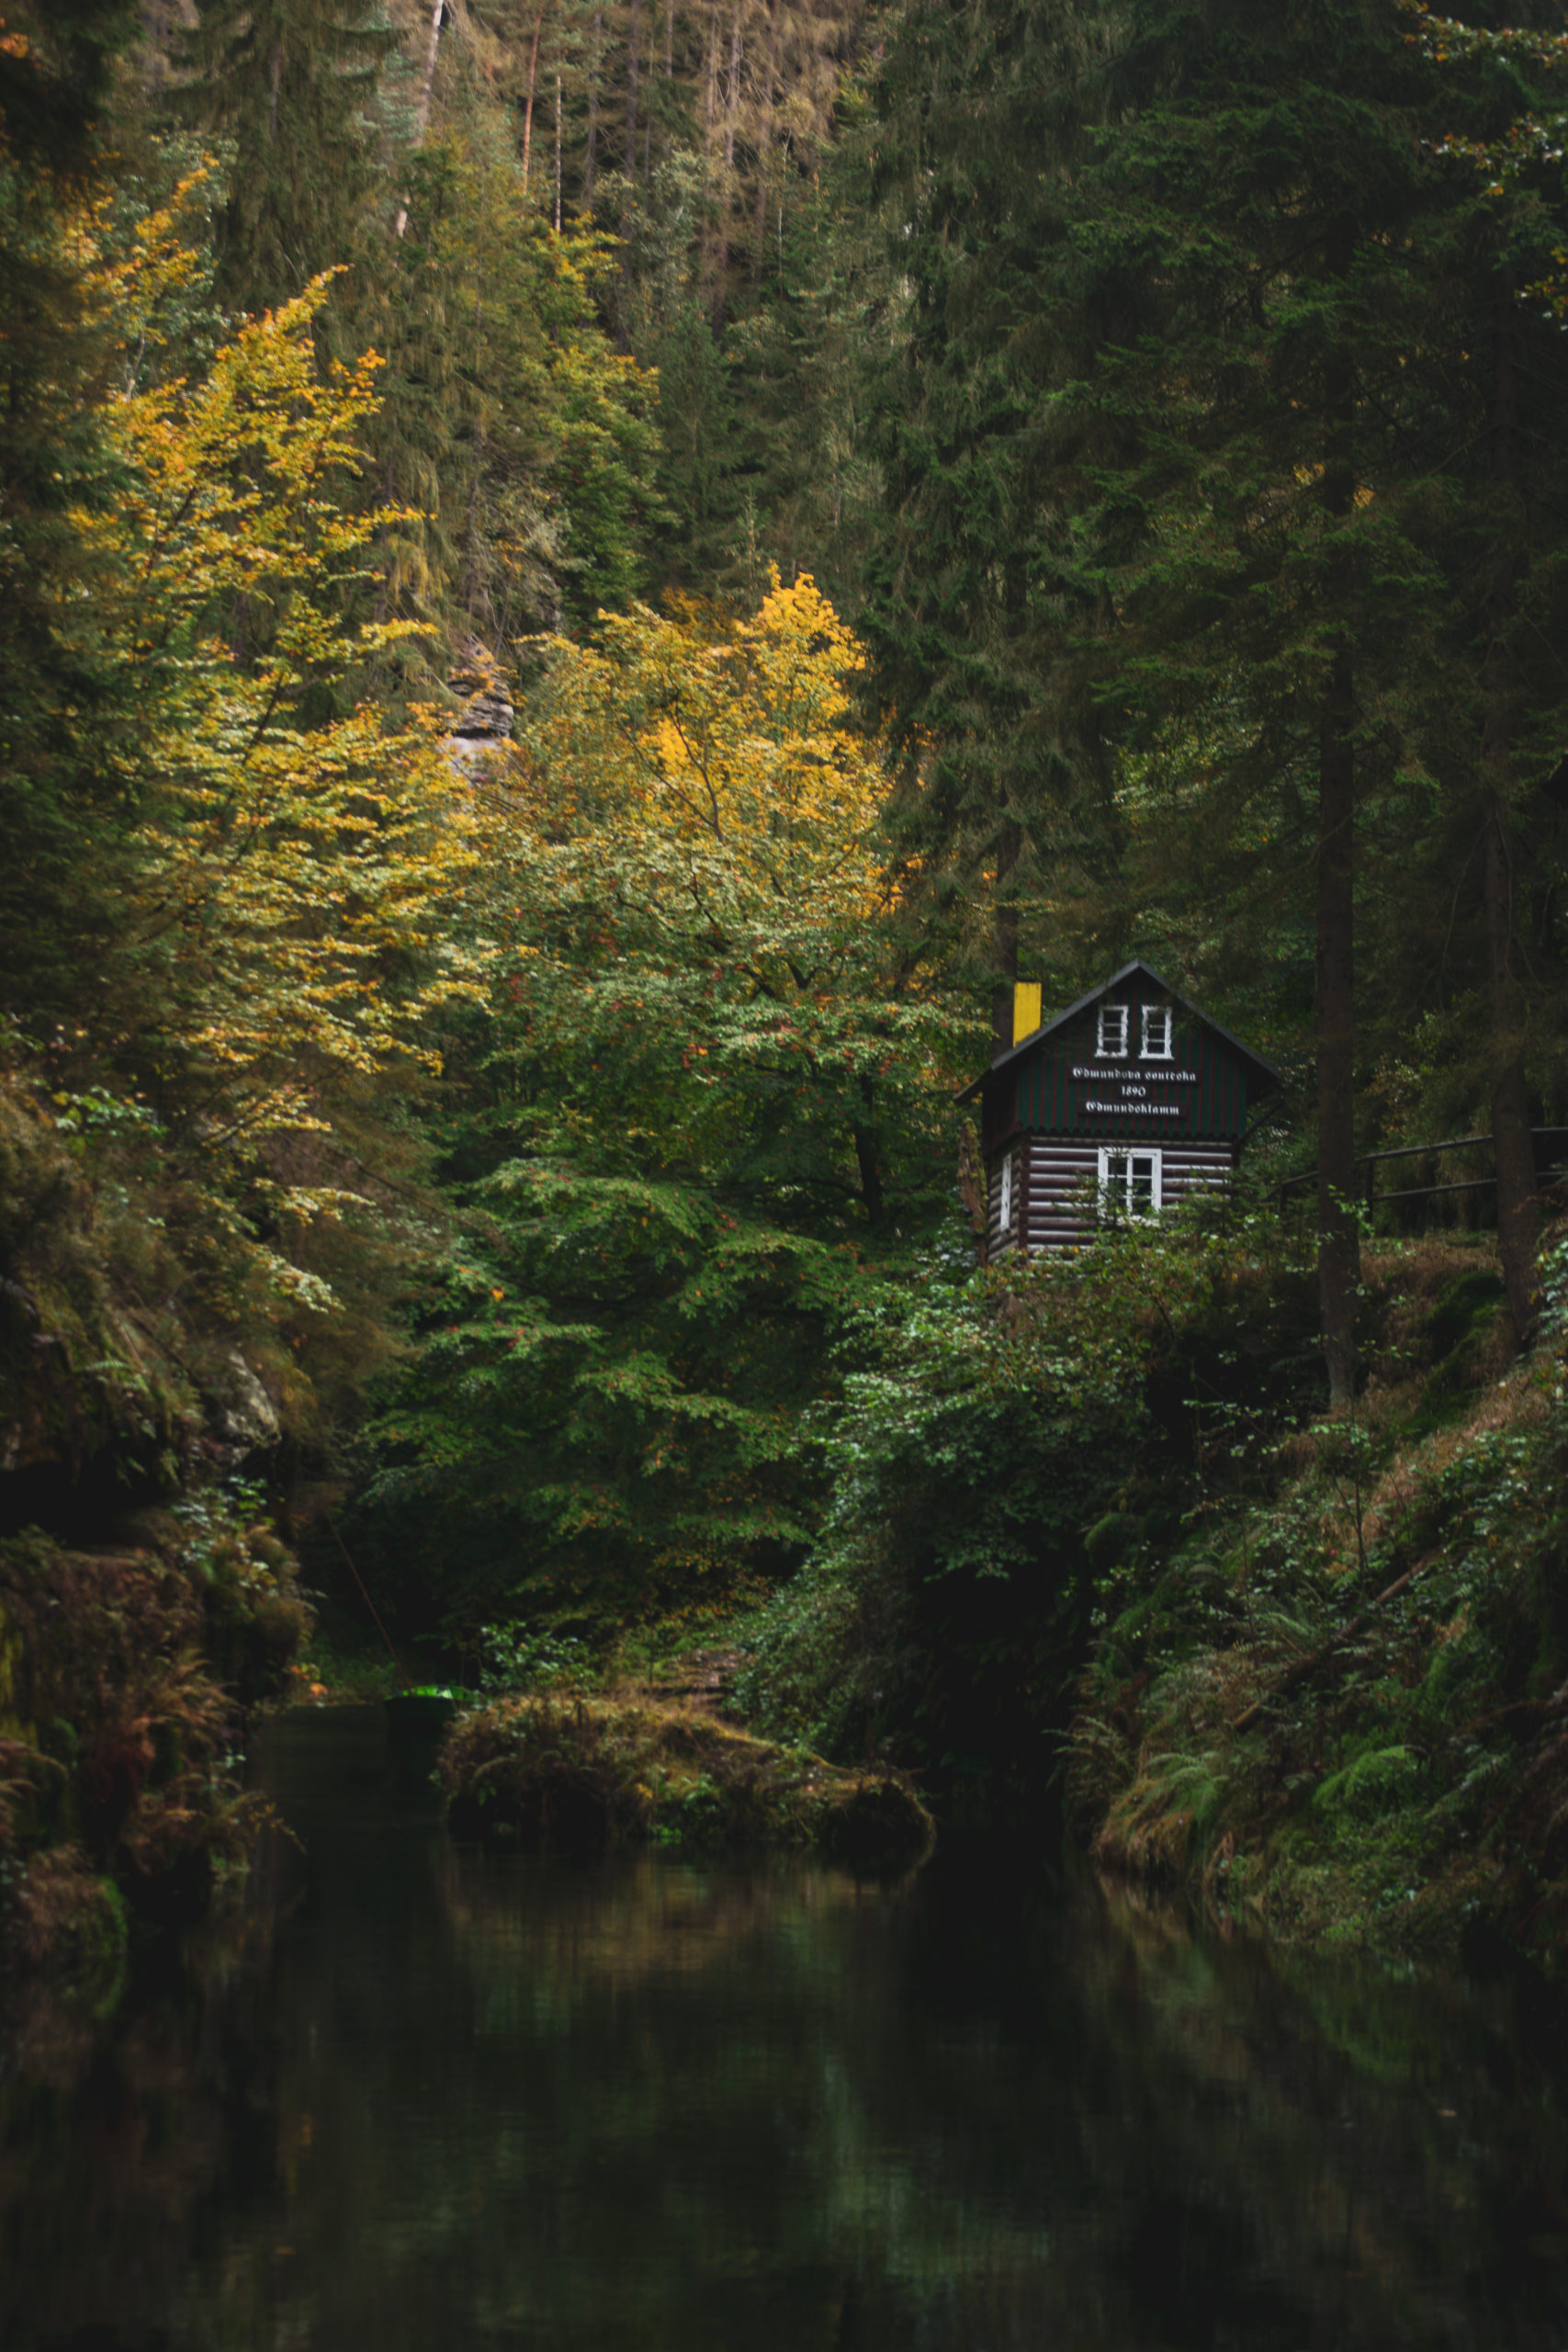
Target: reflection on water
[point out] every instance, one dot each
(418, 2098)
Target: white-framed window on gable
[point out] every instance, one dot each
(1130, 1180)
(1159, 1043)
(1005, 1188)
(1112, 1043)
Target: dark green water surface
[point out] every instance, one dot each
(409, 2099)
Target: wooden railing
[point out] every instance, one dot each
(1551, 1165)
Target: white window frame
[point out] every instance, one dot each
(1006, 1193)
(1116, 1190)
(1161, 1014)
(1108, 1052)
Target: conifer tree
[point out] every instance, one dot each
(524, 444)
(294, 87)
(1491, 738)
(60, 820)
(56, 63)
(972, 586)
(1161, 465)
(1268, 199)
(1345, 469)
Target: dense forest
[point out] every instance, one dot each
(581, 586)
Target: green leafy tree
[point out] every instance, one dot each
(267, 882)
(717, 1082)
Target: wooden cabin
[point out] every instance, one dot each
(1128, 1099)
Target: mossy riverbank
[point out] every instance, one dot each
(1337, 1709)
(125, 1677)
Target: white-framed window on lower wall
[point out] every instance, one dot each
(1130, 1179)
(1006, 1185)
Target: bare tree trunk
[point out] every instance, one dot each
(1338, 1234)
(1339, 1248)
(155, 22)
(422, 112)
(558, 154)
(473, 584)
(868, 1158)
(725, 202)
(1519, 1209)
(765, 137)
(1009, 832)
(593, 71)
(533, 70)
(634, 35)
(710, 93)
(275, 91)
(710, 107)
(1010, 848)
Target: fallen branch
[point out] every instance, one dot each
(1306, 1667)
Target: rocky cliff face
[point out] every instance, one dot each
(478, 743)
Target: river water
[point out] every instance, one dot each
(408, 2100)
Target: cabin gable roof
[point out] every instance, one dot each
(1265, 1076)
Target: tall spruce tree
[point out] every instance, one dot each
(1338, 465)
(1480, 907)
(983, 112)
(56, 68)
(62, 818)
(1266, 190)
(1165, 440)
(294, 87)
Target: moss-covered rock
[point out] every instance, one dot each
(578, 1775)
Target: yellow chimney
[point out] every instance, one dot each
(1025, 1009)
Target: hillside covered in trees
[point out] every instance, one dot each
(581, 583)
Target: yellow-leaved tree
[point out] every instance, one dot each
(695, 869)
(290, 856)
(230, 878)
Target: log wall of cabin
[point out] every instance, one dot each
(997, 1241)
(1054, 1174)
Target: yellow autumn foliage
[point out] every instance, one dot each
(694, 794)
(290, 872)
